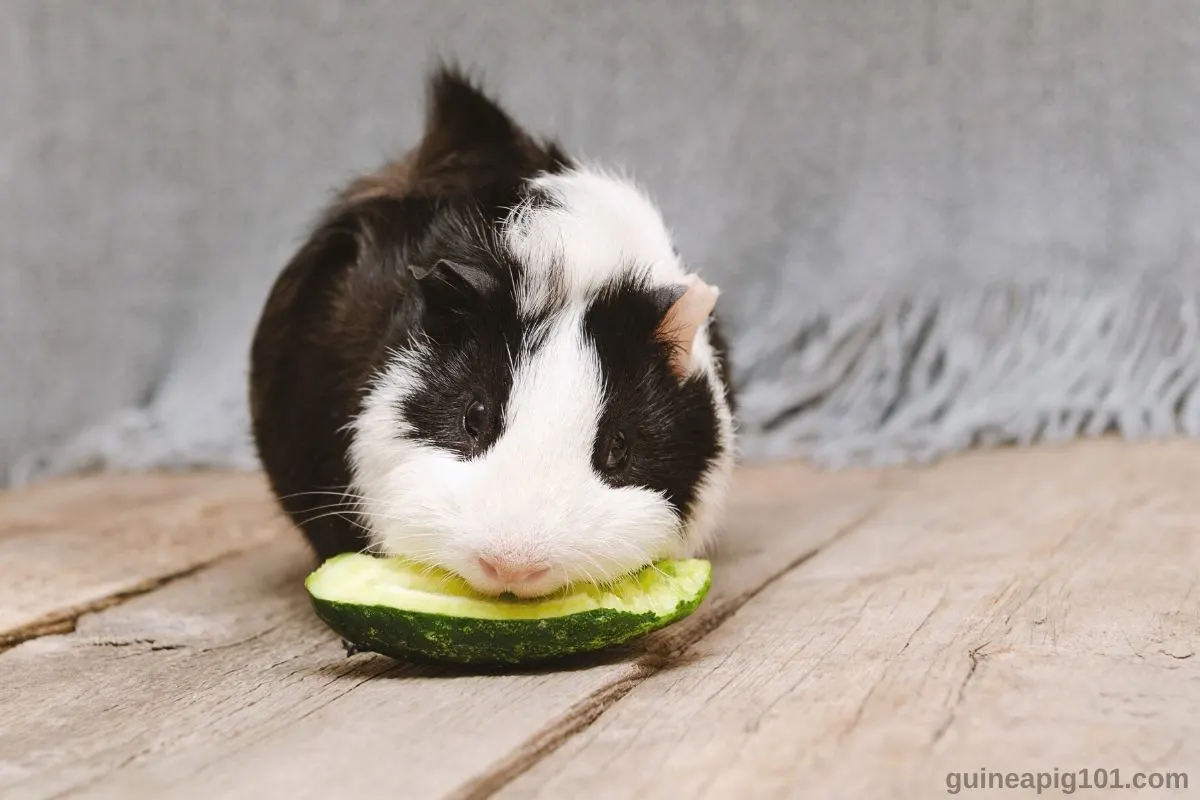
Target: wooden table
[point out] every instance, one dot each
(868, 633)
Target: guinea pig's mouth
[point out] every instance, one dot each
(521, 592)
(530, 588)
(548, 585)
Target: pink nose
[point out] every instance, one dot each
(509, 572)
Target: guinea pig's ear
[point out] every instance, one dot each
(448, 285)
(687, 308)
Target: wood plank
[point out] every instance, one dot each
(75, 545)
(1014, 611)
(224, 684)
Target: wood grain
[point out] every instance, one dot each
(1015, 611)
(76, 545)
(224, 684)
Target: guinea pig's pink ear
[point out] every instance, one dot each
(693, 305)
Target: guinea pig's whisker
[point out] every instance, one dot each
(352, 508)
(349, 517)
(428, 561)
(356, 509)
(593, 556)
(605, 580)
(344, 493)
(621, 567)
(332, 509)
(659, 570)
(337, 506)
(427, 568)
(321, 511)
(588, 573)
(320, 490)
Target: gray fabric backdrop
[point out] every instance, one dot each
(935, 224)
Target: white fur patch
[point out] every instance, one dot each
(602, 225)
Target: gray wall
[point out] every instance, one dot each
(158, 158)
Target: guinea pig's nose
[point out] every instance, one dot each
(509, 572)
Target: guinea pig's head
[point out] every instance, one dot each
(554, 407)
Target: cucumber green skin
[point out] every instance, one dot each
(419, 637)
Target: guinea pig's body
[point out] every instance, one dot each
(490, 358)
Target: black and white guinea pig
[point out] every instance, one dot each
(489, 357)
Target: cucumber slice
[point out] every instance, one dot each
(414, 613)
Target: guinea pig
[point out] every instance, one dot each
(489, 357)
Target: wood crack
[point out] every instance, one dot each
(975, 655)
(65, 620)
(153, 645)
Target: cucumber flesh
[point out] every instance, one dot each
(411, 611)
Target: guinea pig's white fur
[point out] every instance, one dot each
(533, 498)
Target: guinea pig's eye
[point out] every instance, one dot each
(617, 453)
(475, 418)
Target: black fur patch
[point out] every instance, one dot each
(670, 427)
(470, 321)
(474, 333)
